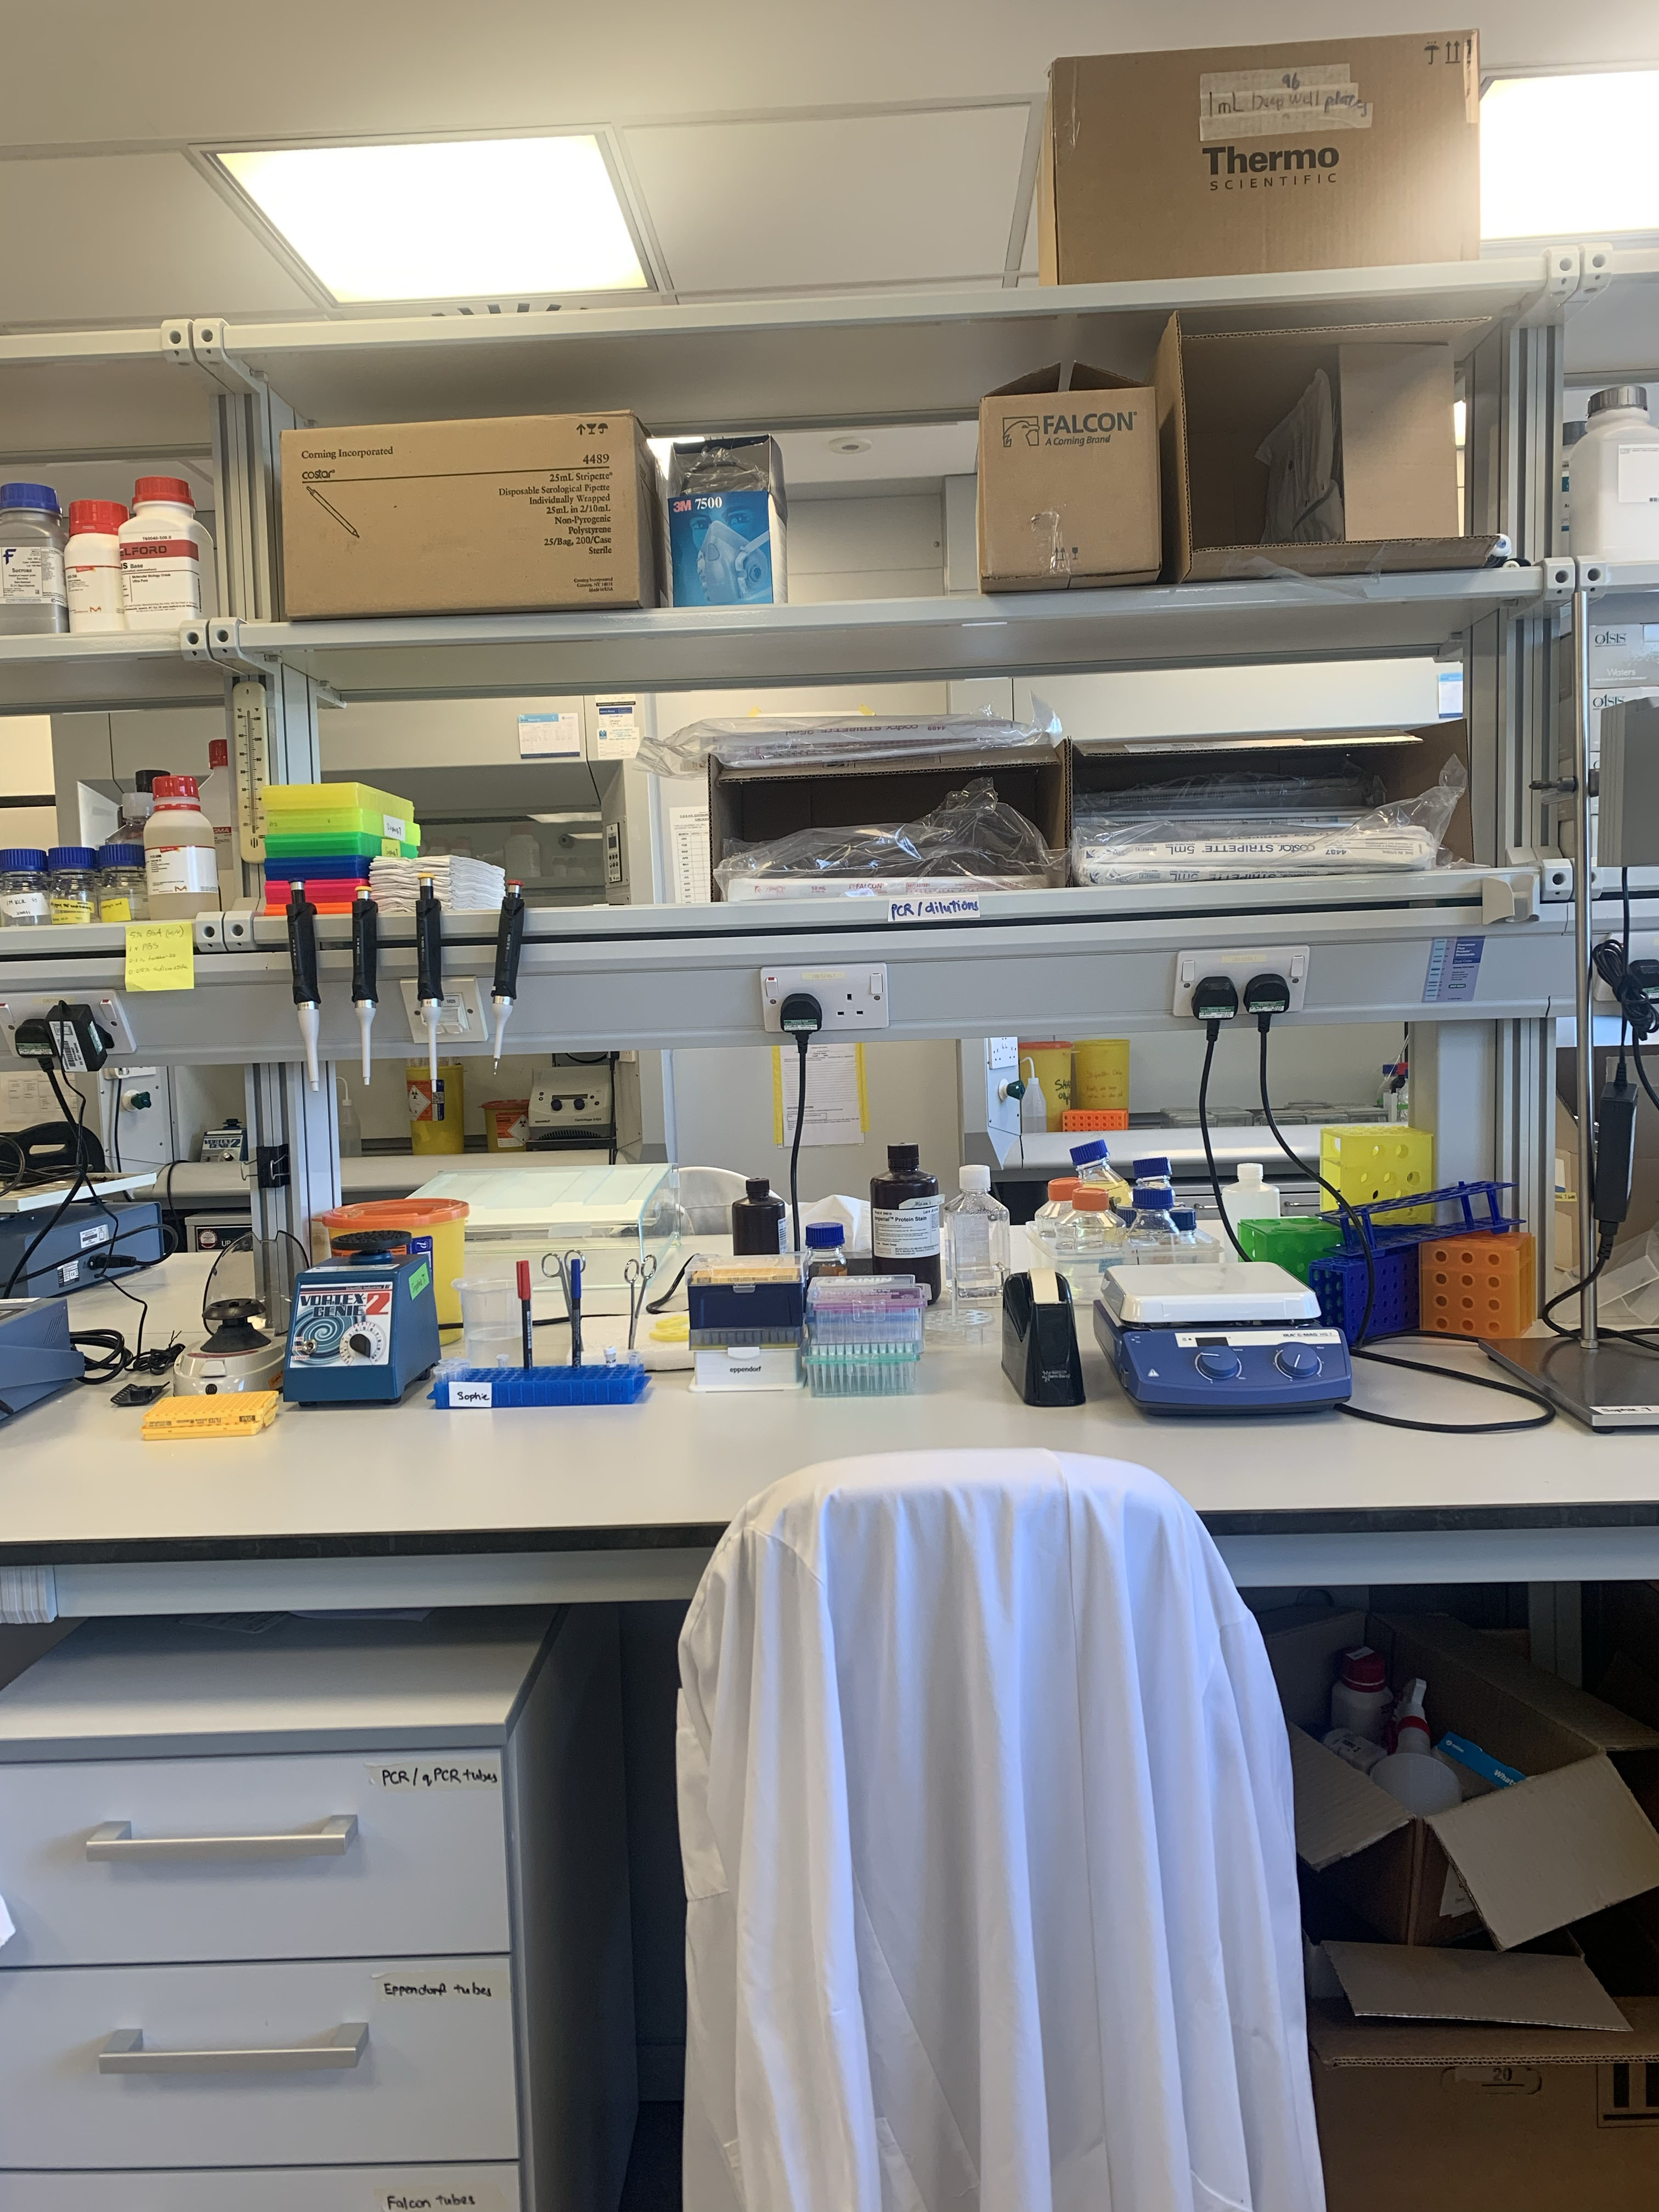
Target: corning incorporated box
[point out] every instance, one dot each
(1568, 1842)
(526, 511)
(1224, 161)
(1068, 491)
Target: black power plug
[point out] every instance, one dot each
(1215, 998)
(800, 1016)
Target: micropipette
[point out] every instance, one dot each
(302, 959)
(429, 966)
(365, 966)
(509, 943)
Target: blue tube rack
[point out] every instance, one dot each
(1385, 1236)
(622, 1383)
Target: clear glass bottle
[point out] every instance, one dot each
(974, 1255)
(1089, 1229)
(25, 890)
(1062, 1189)
(1092, 1165)
(74, 887)
(123, 887)
(34, 595)
(1152, 1234)
(1190, 1244)
(826, 1249)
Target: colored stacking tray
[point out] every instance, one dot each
(340, 845)
(1479, 1284)
(1293, 1243)
(1370, 1161)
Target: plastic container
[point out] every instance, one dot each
(74, 888)
(437, 1225)
(437, 1111)
(25, 888)
(621, 1382)
(864, 1336)
(163, 548)
(1614, 478)
(1479, 1284)
(122, 886)
(973, 1254)
(904, 1219)
(1051, 1064)
(1091, 1164)
(301, 810)
(507, 1125)
(757, 1221)
(1422, 1785)
(1360, 1699)
(92, 567)
(826, 1251)
(181, 866)
(1248, 1198)
(33, 600)
(1091, 1226)
(1293, 1243)
(1058, 1204)
(346, 1119)
(1100, 1074)
(491, 1313)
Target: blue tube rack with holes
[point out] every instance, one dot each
(619, 1383)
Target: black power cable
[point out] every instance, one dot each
(800, 1016)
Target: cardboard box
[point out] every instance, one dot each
(727, 544)
(1220, 396)
(1068, 483)
(525, 512)
(1226, 161)
(1568, 1842)
(751, 806)
(1405, 766)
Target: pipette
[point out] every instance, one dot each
(302, 959)
(509, 943)
(365, 967)
(429, 965)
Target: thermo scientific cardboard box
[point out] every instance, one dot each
(1226, 162)
(518, 513)
(1519, 1863)
(1068, 491)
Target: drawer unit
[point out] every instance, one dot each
(296, 2064)
(113, 1861)
(270, 2189)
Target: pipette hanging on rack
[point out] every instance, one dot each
(429, 966)
(364, 968)
(302, 959)
(509, 944)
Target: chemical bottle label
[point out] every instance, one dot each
(170, 868)
(910, 1231)
(161, 575)
(94, 587)
(115, 909)
(25, 906)
(32, 576)
(71, 909)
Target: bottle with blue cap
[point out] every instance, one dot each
(74, 889)
(33, 599)
(1092, 1165)
(1152, 1232)
(25, 888)
(826, 1249)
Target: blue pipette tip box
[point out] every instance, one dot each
(620, 1382)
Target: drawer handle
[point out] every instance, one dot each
(115, 1840)
(123, 2052)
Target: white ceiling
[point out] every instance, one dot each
(768, 148)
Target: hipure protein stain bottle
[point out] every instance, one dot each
(904, 1219)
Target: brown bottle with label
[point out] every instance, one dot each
(904, 1219)
(757, 1220)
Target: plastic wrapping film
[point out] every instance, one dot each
(1304, 491)
(823, 740)
(1139, 837)
(971, 838)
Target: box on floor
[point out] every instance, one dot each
(526, 511)
(1226, 161)
(1518, 1862)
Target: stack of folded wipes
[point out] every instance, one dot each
(458, 882)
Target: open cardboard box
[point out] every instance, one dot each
(1069, 493)
(1220, 394)
(1568, 1842)
(1407, 764)
(753, 806)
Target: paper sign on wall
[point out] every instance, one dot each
(837, 1102)
(551, 736)
(1453, 971)
(617, 730)
(161, 955)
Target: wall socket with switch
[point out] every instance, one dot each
(853, 999)
(1289, 961)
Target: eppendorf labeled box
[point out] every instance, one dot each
(1068, 483)
(1226, 161)
(523, 512)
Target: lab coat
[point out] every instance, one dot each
(984, 1813)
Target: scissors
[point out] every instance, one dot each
(568, 1268)
(637, 1275)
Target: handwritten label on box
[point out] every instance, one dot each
(441, 1985)
(418, 1774)
(957, 906)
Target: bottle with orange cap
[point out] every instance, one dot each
(164, 550)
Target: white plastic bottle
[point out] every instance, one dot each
(1411, 1772)
(163, 548)
(1361, 1702)
(1614, 473)
(1250, 1198)
(1033, 1106)
(92, 567)
(182, 870)
(973, 1251)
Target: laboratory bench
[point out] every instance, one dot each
(360, 1506)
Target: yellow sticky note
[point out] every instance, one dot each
(161, 955)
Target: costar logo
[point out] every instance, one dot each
(1281, 160)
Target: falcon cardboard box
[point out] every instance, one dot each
(1517, 1863)
(522, 512)
(1068, 493)
(1226, 162)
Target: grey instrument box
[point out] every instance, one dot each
(1627, 817)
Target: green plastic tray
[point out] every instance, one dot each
(337, 845)
(1293, 1244)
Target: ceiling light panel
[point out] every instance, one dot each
(1568, 156)
(464, 218)
(845, 200)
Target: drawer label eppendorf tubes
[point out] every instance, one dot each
(459, 1773)
(434, 1984)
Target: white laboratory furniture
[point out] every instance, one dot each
(342, 1904)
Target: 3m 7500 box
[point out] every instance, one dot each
(1349, 154)
(523, 512)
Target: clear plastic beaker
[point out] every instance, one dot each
(490, 1316)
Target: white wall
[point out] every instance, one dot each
(26, 772)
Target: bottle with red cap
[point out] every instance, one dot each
(163, 551)
(91, 566)
(181, 870)
(1359, 1697)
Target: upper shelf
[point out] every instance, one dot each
(70, 675)
(875, 640)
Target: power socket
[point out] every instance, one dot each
(853, 999)
(1289, 961)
